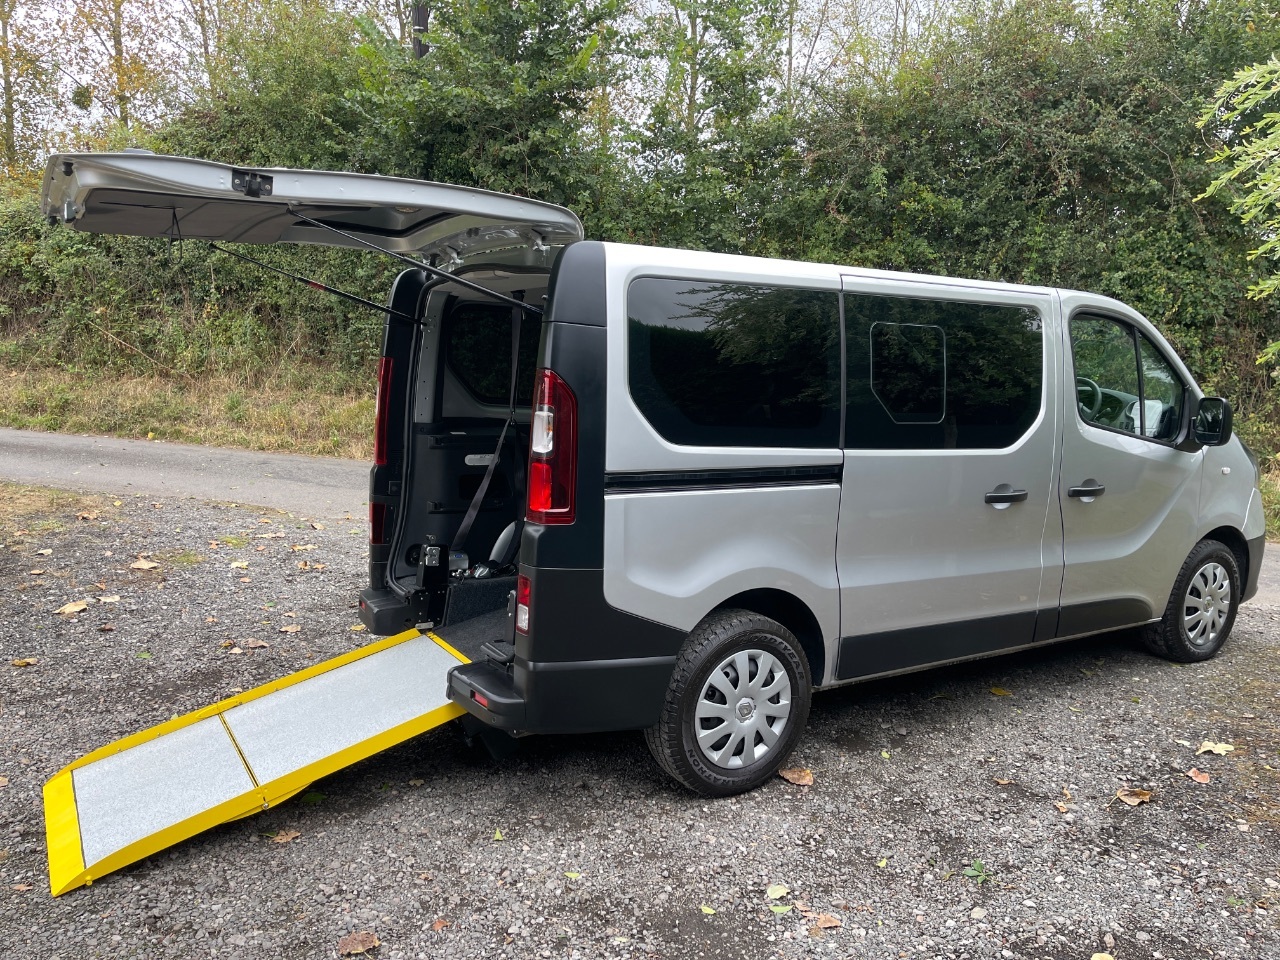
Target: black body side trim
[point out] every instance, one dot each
(872, 654)
(1256, 547)
(575, 292)
(1099, 615)
(655, 481)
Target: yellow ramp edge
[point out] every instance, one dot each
(63, 828)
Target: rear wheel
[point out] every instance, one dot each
(737, 704)
(1202, 607)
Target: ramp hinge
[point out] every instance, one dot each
(251, 184)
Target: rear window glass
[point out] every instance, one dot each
(477, 348)
(729, 364)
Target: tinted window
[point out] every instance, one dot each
(937, 374)
(1122, 381)
(477, 347)
(726, 364)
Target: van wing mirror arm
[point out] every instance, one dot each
(420, 264)
(317, 285)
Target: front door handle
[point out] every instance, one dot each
(1088, 490)
(1003, 495)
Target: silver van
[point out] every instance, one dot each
(677, 491)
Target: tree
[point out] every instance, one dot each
(28, 87)
(1250, 103)
(123, 71)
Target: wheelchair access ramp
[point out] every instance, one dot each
(156, 788)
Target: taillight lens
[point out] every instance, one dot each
(553, 451)
(377, 523)
(523, 595)
(380, 412)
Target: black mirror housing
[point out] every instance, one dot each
(1211, 423)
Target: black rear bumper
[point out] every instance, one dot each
(1256, 546)
(582, 696)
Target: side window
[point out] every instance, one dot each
(940, 374)
(1122, 381)
(730, 364)
(476, 339)
(1162, 394)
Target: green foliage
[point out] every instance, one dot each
(1247, 111)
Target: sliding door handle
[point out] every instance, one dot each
(1003, 495)
(1088, 490)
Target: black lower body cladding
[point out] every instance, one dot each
(584, 665)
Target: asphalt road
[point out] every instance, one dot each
(323, 487)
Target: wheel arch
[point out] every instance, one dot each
(794, 614)
(1234, 541)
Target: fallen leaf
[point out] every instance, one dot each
(86, 515)
(114, 598)
(800, 776)
(253, 644)
(709, 911)
(210, 619)
(106, 628)
(497, 834)
(1066, 793)
(22, 887)
(1199, 776)
(1062, 807)
(1002, 782)
(4, 781)
(142, 655)
(572, 874)
(1185, 743)
(290, 628)
(316, 526)
(1102, 956)
(263, 520)
(882, 862)
(827, 922)
(439, 925)
(780, 907)
(289, 613)
(46, 552)
(1133, 796)
(143, 564)
(884, 754)
(75, 606)
(34, 573)
(239, 564)
(303, 546)
(244, 580)
(26, 662)
(1001, 692)
(777, 891)
(416, 782)
(235, 650)
(356, 627)
(363, 940)
(286, 836)
(1221, 749)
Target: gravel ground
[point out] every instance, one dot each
(1005, 770)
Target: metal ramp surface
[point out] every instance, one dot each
(146, 792)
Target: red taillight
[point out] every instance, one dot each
(377, 522)
(380, 412)
(523, 596)
(553, 451)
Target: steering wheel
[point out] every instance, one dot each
(1088, 389)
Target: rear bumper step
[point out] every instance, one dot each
(487, 692)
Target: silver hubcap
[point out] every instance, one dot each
(1207, 604)
(743, 709)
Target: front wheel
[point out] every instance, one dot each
(1202, 607)
(737, 704)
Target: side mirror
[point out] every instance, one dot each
(1211, 426)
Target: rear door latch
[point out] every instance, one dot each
(251, 184)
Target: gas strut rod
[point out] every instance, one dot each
(317, 285)
(420, 264)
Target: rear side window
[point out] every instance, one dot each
(939, 374)
(730, 364)
(477, 347)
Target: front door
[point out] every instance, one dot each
(1129, 494)
(948, 542)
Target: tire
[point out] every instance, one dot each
(748, 727)
(1202, 607)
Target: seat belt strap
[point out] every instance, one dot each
(473, 509)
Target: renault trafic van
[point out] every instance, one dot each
(679, 491)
